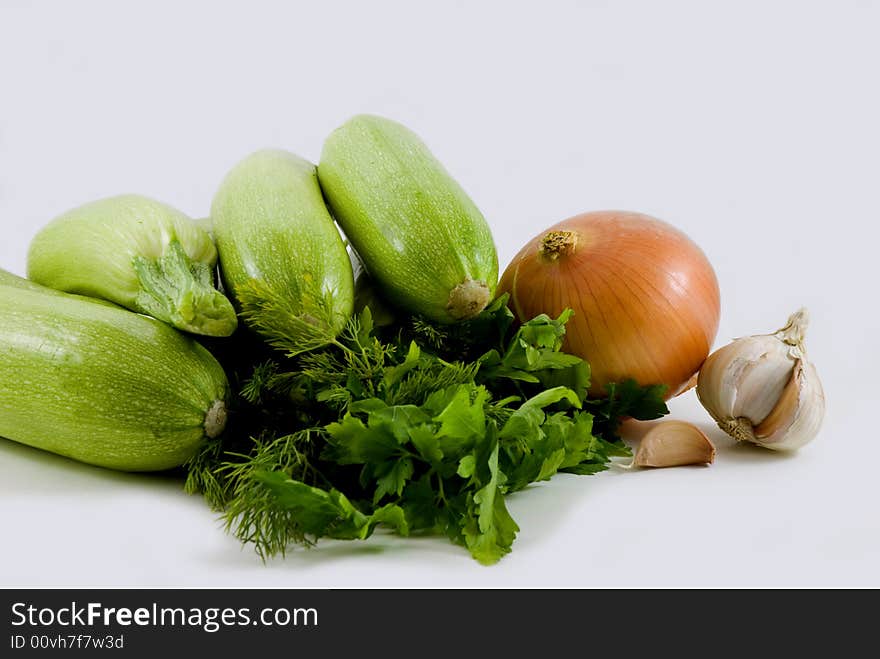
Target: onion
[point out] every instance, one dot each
(645, 298)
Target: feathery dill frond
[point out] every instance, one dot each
(201, 474)
(431, 376)
(292, 321)
(261, 381)
(251, 513)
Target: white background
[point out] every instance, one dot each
(752, 126)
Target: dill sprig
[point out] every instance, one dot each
(250, 512)
(202, 474)
(291, 321)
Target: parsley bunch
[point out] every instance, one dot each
(410, 426)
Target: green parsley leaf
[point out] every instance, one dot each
(394, 479)
(627, 399)
(351, 441)
(463, 417)
(488, 529)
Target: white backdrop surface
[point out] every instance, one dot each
(752, 126)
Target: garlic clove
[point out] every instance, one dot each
(674, 444)
(713, 387)
(798, 414)
(763, 379)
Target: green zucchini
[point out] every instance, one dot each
(9, 279)
(100, 384)
(139, 253)
(418, 233)
(281, 255)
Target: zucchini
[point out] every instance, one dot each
(281, 256)
(9, 279)
(418, 233)
(100, 384)
(139, 253)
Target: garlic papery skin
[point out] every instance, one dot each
(762, 388)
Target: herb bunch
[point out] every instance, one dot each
(412, 426)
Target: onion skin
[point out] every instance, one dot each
(645, 297)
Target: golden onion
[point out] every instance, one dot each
(645, 297)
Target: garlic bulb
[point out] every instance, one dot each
(762, 389)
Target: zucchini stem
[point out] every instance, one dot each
(215, 419)
(468, 299)
(180, 291)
